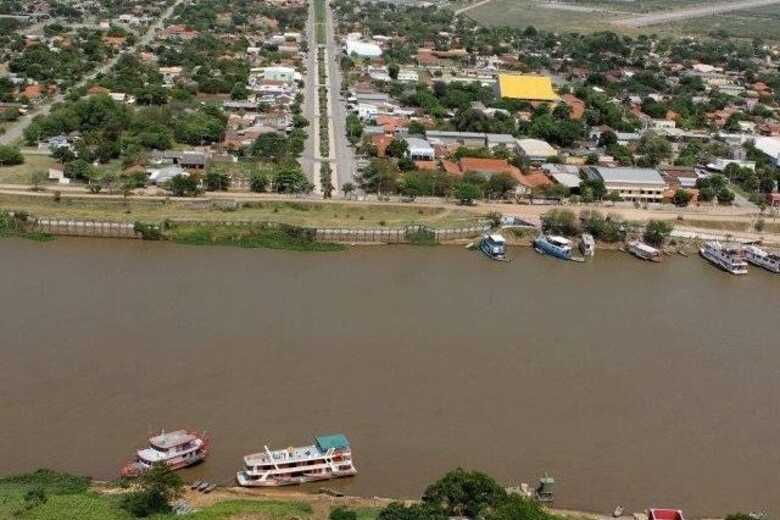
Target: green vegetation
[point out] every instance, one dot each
(16, 226)
(657, 232)
(22, 173)
(272, 510)
(268, 236)
(611, 228)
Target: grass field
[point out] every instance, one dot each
(308, 214)
(22, 173)
(71, 498)
(761, 22)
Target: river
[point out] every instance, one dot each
(631, 383)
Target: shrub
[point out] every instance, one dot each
(560, 222)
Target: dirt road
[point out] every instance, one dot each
(691, 12)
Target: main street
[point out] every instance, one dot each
(344, 158)
(14, 132)
(310, 161)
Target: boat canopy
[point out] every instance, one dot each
(168, 440)
(337, 442)
(495, 237)
(558, 240)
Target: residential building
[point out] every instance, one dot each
(536, 150)
(633, 184)
(526, 87)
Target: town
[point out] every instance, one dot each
(291, 131)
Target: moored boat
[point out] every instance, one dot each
(665, 514)
(328, 458)
(587, 244)
(553, 245)
(761, 258)
(177, 449)
(727, 257)
(643, 251)
(494, 246)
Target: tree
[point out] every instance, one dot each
(183, 186)
(78, 169)
(392, 70)
(416, 128)
(259, 181)
(10, 155)
(217, 181)
(654, 149)
(290, 179)
(464, 493)
(517, 507)
(725, 196)
(608, 138)
(592, 190)
(239, 91)
(399, 511)
(657, 231)
(272, 147)
(342, 513)
(682, 197)
(560, 222)
(467, 193)
(398, 148)
(157, 488)
(348, 188)
(500, 184)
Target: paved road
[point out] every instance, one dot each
(14, 132)
(310, 158)
(692, 12)
(342, 153)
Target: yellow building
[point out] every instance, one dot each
(526, 87)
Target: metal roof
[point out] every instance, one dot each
(526, 86)
(336, 441)
(629, 175)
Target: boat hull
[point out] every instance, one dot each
(488, 252)
(245, 481)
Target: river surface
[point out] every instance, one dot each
(631, 383)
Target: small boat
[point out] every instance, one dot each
(643, 251)
(727, 257)
(665, 514)
(203, 486)
(494, 246)
(761, 258)
(177, 449)
(210, 488)
(553, 245)
(330, 457)
(587, 245)
(195, 484)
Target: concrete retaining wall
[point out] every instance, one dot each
(85, 228)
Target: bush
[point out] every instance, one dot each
(342, 513)
(560, 222)
(657, 231)
(467, 193)
(682, 197)
(10, 156)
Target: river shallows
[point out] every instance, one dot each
(632, 383)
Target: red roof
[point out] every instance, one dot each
(381, 142)
(474, 164)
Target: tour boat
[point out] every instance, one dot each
(643, 251)
(177, 449)
(552, 245)
(328, 458)
(729, 258)
(587, 244)
(494, 246)
(759, 257)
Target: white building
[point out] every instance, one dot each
(769, 146)
(420, 149)
(536, 149)
(633, 184)
(286, 74)
(362, 49)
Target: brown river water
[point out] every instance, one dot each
(631, 383)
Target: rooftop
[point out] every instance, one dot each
(526, 86)
(628, 175)
(170, 439)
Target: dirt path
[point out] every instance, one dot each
(691, 12)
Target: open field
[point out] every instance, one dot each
(22, 173)
(595, 15)
(298, 213)
(699, 11)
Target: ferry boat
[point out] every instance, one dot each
(177, 449)
(728, 258)
(643, 251)
(587, 245)
(328, 458)
(553, 245)
(759, 257)
(494, 246)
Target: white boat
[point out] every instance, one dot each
(729, 258)
(494, 246)
(177, 449)
(761, 258)
(587, 244)
(643, 251)
(328, 458)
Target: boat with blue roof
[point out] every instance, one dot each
(494, 246)
(330, 457)
(553, 245)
